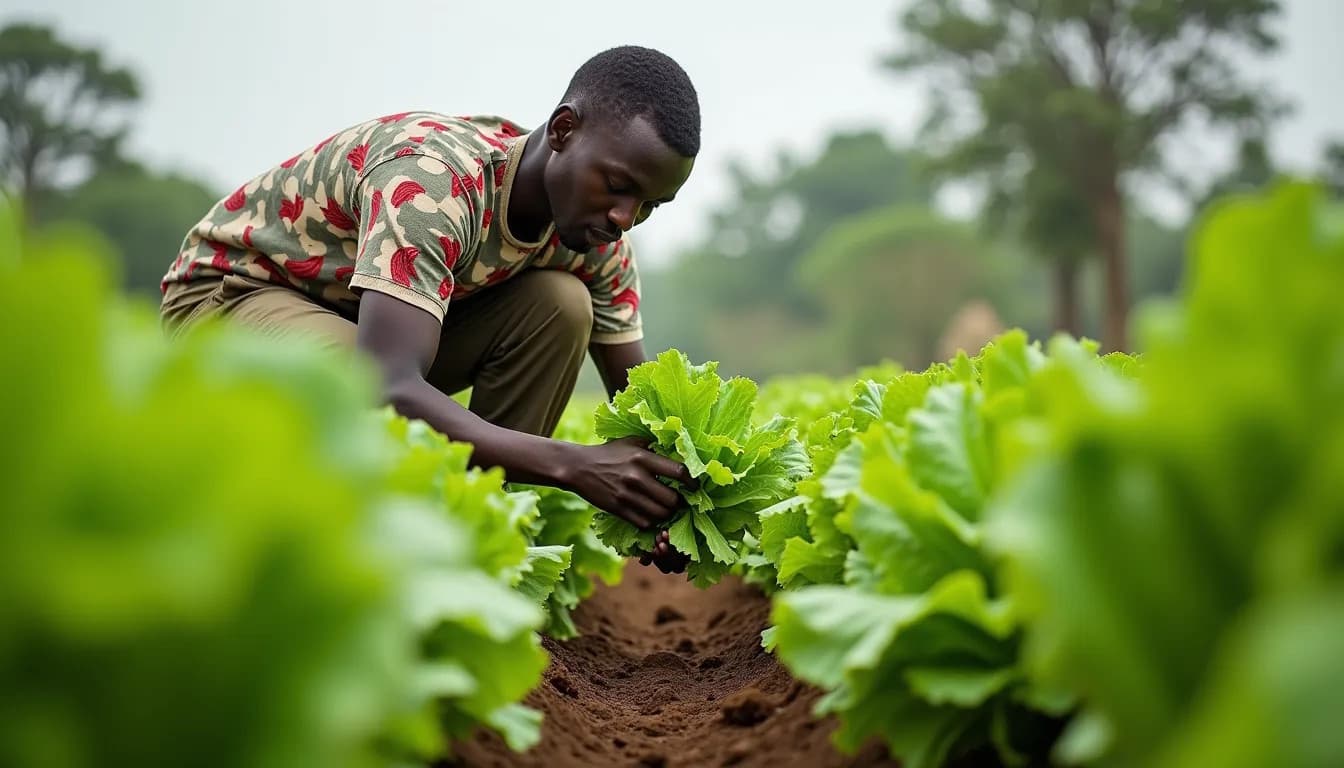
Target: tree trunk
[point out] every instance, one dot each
(28, 188)
(1109, 213)
(1066, 296)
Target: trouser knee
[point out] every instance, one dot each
(569, 309)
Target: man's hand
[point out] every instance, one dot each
(668, 559)
(621, 477)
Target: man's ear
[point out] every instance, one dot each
(564, 122)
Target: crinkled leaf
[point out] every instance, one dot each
(542, 571)
(731, 414)
(779, 523)
(948, 450)
(705, 423)
(918, 670)
(681, 535)
(718, 546)
(910, 535)
(818, 563)
(842, 479)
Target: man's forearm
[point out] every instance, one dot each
(525, 458)
(614, 361)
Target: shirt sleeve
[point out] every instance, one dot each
(414, 225)
(613, 281)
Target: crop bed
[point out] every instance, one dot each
(668, 675)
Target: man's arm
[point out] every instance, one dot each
(619, 477)
(614, 361)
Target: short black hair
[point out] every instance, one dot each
(631, 81)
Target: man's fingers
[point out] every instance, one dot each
(676, 565)
(649, 509)
(674, 470)
(656, 501)
(635, 518)
(635, 440)
(665, 467)
(663, 495)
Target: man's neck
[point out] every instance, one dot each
(529, 210)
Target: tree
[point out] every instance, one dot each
(1254, 169)
(892, 279)
(1332, 168)
(1082, 92)
(62, 111)
(776, 217)
(740, 278)
(1054, 222)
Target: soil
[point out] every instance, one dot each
(668, 676)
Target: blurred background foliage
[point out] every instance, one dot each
(841, 259)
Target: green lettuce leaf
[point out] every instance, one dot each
(687, 413)
(542, 571)
(923, 672)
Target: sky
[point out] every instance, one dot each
(231, 88)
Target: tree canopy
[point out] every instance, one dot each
(63, 110)
(1055, 104)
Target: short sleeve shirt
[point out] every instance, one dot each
(412, 205)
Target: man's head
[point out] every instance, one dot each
(623, 139)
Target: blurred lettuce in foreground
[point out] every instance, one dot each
(473, 589)
(1177, 542)
(157, 609)
(219, 552)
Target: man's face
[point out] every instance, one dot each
(605, 176)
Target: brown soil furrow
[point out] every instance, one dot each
(668, 675)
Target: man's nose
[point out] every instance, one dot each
(623, 215)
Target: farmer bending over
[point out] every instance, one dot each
(465, 252)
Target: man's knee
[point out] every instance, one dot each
(568, 305)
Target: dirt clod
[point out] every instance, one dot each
(667, 614)
(563, 685)
(747, 708)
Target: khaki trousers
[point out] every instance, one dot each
(519, 345)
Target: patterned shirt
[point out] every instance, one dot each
(413, 205)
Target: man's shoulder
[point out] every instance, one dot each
(476, 134)
(465, 143)
(492, 125)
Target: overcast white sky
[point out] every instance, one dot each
(233, 87)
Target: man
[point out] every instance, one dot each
(462, 251)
